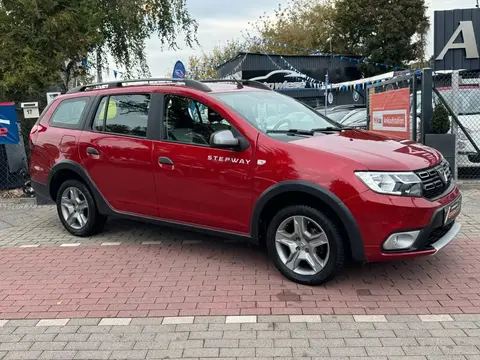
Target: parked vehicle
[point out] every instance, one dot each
(202, 155)
(465, 102)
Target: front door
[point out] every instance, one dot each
(197, 184)
(117, 154)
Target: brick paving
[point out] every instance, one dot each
(145, 292)
(391, 337)
(137, 270)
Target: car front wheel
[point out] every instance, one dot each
(305, 245)
(77, 209)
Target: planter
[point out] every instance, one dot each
(445, 143)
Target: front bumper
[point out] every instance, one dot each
(379, 217)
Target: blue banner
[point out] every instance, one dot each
(179, 70)
(8, 124)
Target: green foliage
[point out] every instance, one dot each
(204, 67)
(303, 23)
(383, 31)
(38, 37)
(440, 120)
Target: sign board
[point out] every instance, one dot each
(456, 39)
(286, 79)
(8, 124)
(390, 113)
(30, 110)
(178, 70)
(51, 96)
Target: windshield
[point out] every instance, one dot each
(338, 115)
(269, 110)
(357, 117)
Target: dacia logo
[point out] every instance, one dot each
(228, 159)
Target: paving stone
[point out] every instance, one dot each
(192, 353)
(53, 345)
(57, 355)
(115, 321)
(22, 355)
(92, 354)
(52, 322)
(117, 345)
(87, 345)
(147, 345)
(221, 343)
(128, 354)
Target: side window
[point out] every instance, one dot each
(191, 122)
(123, 114)
(69, 112)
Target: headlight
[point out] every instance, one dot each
(392, 183)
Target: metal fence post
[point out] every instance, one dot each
(426, 114)
(454, 127)
(414, 114)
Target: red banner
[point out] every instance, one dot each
(390, 113)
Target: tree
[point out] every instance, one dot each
(382, 31)
(306, 24)
(39, 39)
(204, 66)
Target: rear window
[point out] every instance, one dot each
(69, 112)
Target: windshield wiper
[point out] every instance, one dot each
(291, 131)
(331, 128)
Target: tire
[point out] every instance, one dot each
(94, 220)
(334, 257)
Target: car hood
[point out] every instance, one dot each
(374, 151)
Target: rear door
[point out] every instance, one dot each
(116, 151)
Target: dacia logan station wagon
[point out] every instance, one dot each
(237, 159)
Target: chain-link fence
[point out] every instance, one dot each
(457, 96)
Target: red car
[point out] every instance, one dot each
(234, 158)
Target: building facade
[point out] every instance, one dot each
(299, 76)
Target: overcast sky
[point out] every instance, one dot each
(221, 21)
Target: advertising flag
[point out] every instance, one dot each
(179, 70)
(8, 123)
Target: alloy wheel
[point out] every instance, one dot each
(302, 245)
(74, 208)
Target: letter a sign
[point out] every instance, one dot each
(456, 39)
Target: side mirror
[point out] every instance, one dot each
(224, 139)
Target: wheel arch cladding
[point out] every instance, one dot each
(69, 169)
(302, 192)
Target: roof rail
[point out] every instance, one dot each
(241, 82)
(118, 84)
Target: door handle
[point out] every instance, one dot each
(165, 160)
(92, 151)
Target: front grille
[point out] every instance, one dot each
(438, 233)
(435, 180)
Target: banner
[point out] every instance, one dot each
(390, 113)
(178, 70)
(8, 123)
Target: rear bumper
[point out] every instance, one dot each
(42, 193)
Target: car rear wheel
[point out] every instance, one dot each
(77, 209)
(305, 245)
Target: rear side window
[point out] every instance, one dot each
(123, 115)
(69, 113)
